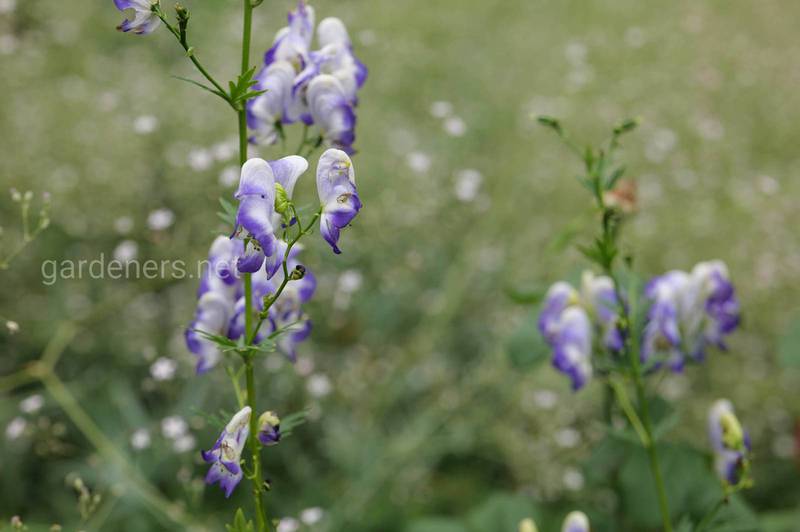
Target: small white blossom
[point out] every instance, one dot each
(12, 327)
(441, 109)
(568, 438)
(163, 369)
(312, 516)
(123, 225)
(32, 404)
(288, 524)
(184, 444)
(173, 427)
(160, 219)
(126, 251)
(140, 439)
(468, 184)
(455, 126)
(145, 124)
(229, 176)
(419, 162)
(319, 385)
(15, 428)
(200, 159)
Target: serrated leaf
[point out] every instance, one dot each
(292, 421)
(220, 340)
(240, 523)
(204, 87)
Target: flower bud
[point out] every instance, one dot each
(269, 428)
(527, 525)
(575, 522)
(281, 199)
(298, 273)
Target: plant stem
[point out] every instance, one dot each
(709, 517)
(285, 281)
(193, 58)
(252, 441)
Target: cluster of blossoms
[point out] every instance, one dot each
(730, 444)
(315, 87)
(258, 247)
(226, 454)
(688, 312)
(574, 522)
(572, 322)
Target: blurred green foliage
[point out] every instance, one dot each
(430, 409)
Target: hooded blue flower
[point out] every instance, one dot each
(336, 186)
(217, 294)
(336, 58)
(729, 442)
(256, 219)
(267, 110)
(269, 429)
(571, 320)
(332, 112)
(689, 312)
(226, 454)
(293, 41)
(144, 18)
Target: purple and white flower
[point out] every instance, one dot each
(256, 215)
(226, 454)
(689, 312)
(335, 57)
(575, 522)
(145, 20)
(571, 320)
(293, 41)
(216, 297)
(332, 112)
(287, 315)
(729, 442)
(266, 111)
(336, 186)
(269, 428)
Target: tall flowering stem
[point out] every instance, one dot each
(254, 276)
(603, 182)
(252, 440)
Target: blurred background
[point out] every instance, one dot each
(432, 404)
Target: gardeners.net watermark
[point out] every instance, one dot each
(116, 269)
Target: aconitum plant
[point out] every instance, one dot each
(253, 290)
(621, 331)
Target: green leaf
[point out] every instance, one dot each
(292, 421)
(222, 341)
(240, 523)
(204, 87)
(612, 179)
(789, 345)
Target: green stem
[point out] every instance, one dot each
(193, 57)
(285, 281)
(252, 440)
